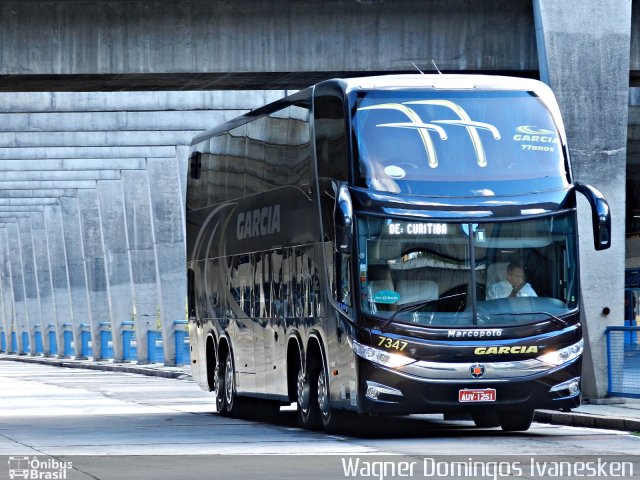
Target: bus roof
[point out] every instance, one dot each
(408, 81)
(446, 82)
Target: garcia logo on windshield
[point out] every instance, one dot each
(534, 138)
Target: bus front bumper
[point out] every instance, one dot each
(384, 390)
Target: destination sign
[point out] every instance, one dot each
(416, 228)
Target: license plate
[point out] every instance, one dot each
(477, 395)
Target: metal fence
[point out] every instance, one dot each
(155, 343)
(623, 361)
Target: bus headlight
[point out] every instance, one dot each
(563, 355)
(381, 357)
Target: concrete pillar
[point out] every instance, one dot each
(168, 230)
(4, 323)
(43, 272)
(17, 279)
(94, 262)
(583, 51)
(57, 258)
(73, 241)
(117, 259)
(7, 286)
(139, 229)
(32, 296)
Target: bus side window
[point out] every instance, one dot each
(331, 144)
(343, 276)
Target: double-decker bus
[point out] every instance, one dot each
(389, 245)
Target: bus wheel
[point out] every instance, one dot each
(308, 411)
(232, 402)
(515, 420)
(332, 420)
(219, 390)
(488, 419)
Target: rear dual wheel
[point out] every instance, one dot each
(227, 401)
(314, 400)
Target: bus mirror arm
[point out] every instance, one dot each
(600, 215)
(343, 218)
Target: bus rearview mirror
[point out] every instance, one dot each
(344, 220)
(600, 215)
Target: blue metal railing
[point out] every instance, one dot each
(83, 348)
(623, 361)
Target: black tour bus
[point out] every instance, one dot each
(389, 245)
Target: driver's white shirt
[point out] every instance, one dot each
(503, 290)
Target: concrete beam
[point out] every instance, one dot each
(91, 122)
(156, 101)
(55, 175)
(71, 164)
(81, 151)
(201, 41)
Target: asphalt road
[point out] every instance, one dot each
(108, 425)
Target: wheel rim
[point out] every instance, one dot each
(216, 380)
(228, 380)
(303, 391)
(323, 393)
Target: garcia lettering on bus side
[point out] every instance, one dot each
(258, 223)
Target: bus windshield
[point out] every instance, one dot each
(463, 143)
(429, 273)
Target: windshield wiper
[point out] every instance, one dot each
(550, 315)
(413, 306)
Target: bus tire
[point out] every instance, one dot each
(515, 420)
(486, 419)
(218, 379)
(232, 403)
(333, 421)
(308, 410)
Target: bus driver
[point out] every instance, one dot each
(514, 286)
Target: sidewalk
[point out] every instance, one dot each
(613, 414)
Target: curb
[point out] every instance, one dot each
(152, 371)
(575, 419)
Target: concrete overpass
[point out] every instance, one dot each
(99, 100)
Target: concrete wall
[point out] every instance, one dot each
(219, 44)
(91, 222)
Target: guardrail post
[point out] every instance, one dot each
(26, 346)
(69, 347)
(106, 340)
(53, 340)
(129, 343)
(156, 346)
(183, 356)
(86, 347)
(14, 342)
(38, 340)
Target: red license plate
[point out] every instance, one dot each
(477, 395)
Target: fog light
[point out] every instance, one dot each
(572, 386)
(375, 390)
(372, 393)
